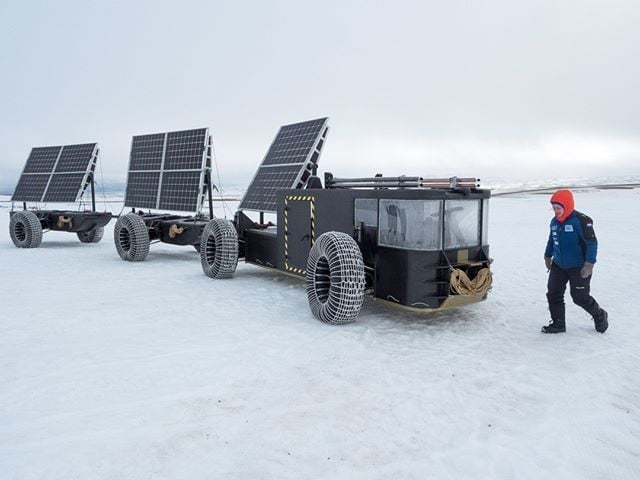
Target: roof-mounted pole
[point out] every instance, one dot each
(400, 182)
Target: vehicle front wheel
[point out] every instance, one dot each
(25, 229)
(219, 249)
(335, 278)
(131, 237)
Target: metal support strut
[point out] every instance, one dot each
(93, 192)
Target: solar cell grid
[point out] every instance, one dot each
(185, 149)
(142, 189)
(146, 152)
(75, 158)
(293, 143)
(261, 195)
(64, 187)
(42, 160)
(179, 191)
(30, 188)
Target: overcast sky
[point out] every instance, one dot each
(488, 88)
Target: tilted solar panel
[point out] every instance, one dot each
(292, 156)
(64, 187)
(74, 158)
(31, 187)
(147, 152)
(166, 170)
(179, 191)
(185, 149)
(262, 194)
(142, 189)
(42, 160)
(294, 142)
(57, 174)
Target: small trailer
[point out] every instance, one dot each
(58, 174)
(413, 242)
(167, 172)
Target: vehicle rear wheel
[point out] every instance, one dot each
(131, 237)
(92, 236)
(219, 248)
(25, 229)
(335, 278)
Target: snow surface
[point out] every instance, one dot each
(114, 370)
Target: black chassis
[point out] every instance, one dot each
(160, 228)
(70, 221)
(413, 278)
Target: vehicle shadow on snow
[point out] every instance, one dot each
(380, 313)
(55, 244)
(175, 256)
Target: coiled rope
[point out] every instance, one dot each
(463, 285)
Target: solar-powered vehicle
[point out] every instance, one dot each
(416, 243)
(59, 174)
(168, 171)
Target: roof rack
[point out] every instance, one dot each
(400, 182)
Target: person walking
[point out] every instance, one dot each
(570, 257)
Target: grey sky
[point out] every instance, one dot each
(493, 88)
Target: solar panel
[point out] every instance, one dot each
(31, 187)
(262, 194)
(74, 158)
(142, 189)
(288, 163)
(42, 160)
(178, 190)
(63, 187)
(166, 170)
(185, 149)
(56, 174)
(146, 152)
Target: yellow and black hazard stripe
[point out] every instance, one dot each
(312, 212)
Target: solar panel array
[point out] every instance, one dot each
(288, 163)
(166, 170)
(56, 174)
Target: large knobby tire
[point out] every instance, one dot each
(219, 249)
(131, 238)
(25, 229)
(335, 278)
(92, 236)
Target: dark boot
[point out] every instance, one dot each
(554, 326)
(601, 321)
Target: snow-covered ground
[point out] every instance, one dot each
(114, 370)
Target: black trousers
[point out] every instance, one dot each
(579, 288)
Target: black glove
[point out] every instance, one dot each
(548, 261)
(586, 270)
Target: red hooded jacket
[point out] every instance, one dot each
(564, 198)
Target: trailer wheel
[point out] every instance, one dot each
(335, 278)
(131, 238)
(25, 229)
(92, 236)
(219, 249)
